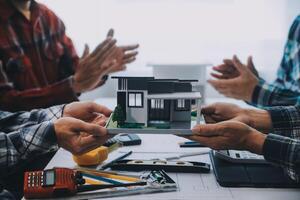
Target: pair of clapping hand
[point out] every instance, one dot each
(106, 58)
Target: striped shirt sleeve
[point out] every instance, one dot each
(14, 121)
(266, 94)
(285, 152)
(282, 147)
(26, 134)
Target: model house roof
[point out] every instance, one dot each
(155, 86)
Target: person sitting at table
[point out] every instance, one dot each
(241, 81)
(40, 67)
(273, 133)
(27, 136)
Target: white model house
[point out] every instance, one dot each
(150, 101)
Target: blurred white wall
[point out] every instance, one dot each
(179, 31)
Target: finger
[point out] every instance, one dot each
(90, 142)
(216, 143)
(219, 76)
(237, 63)
(100, 60)
(110, 33)
(209, 119)
(102, 123)
(228, 62)
(97, 108)
(201, 139)
(103, 47)
(206, 130)
(89, 128)
(130, 55)
(86, 51)
(224, 68)
(251, 65)
(207, 110)
(129, 47)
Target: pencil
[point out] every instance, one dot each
(119, 177)
(92, 182)
(101, 179)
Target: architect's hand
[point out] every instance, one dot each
(122, 56)
(255, 118)
(87, 111)
(240, 85)
(227, 70)
(78, 136)
(218, 112)
(229, 135)
(93, 66)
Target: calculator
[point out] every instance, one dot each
(236, 156)
(125, 140)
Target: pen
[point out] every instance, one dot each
(89, 170)
(182, 156)
(115, 160)
(190, 144)
(187, 155)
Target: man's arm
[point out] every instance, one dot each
(285, 121)
(14, 121)
(25, 134)
(14, 100)
(25, 143)
(285, 152)
(265, 94)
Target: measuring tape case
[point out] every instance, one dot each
(168, 166)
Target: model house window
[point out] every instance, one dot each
(182, 105)
(157, 104)
(135, 99)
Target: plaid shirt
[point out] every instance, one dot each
(38, 59)
(282, 147)
(26, 134)
(286, 88)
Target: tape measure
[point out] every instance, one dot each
(96, 156)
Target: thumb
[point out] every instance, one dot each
(251, 66)
(237, 63)
(86, 51)
(210, 109)
(110, 33)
